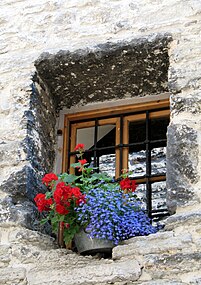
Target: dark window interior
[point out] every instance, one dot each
(146, 156)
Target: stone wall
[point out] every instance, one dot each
(170, 257)
(28, 113)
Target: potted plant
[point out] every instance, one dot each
(93, 206)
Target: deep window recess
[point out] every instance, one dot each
(128, 137)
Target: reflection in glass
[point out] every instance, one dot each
(141, 194)
(106, 157)
(158, 161)
(159, 192)
(86, 136)
(137, 163)
(107, 164)
(137, 153)
(106, 136)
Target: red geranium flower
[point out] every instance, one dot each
(60, 209)
(128, 185)
(82, 161)
(76, 192)
(42, 203)
(79, 147)
(48, 178)
(66, 225)
(62, 193)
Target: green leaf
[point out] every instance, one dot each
(44, 221)
(74, 165)
(70, 178)
(48, 195)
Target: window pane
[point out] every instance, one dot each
(107, 164)
(137, 154)
(137, 133)
(159, 193)
(106, 157)
(86, 136)
(106, 135)
(159, 128)
(137, 163)
(141, 194)
(158, 160)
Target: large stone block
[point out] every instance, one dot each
(159, 243)
(98, 273)
(12, 275)
(171, 266)
(182, 165)
(5, 257)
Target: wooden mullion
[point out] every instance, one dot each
(151, 179)
(65, 149)
(125, 141)
(72, 146)
(117, 168)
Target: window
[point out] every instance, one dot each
(126, 137)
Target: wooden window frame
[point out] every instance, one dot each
(108, 112)
(101, 122)
(121, 115)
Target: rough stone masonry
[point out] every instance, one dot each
(32, 33)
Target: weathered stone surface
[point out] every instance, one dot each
(108, 72)
(12, 275)
(5, 257)
(191, 104)
(182, 165)
(184, 219)
(154, 244)
(97, 273)
(37, 149)
(30, 28)
(171, 265)
(41, 121)
(31, 238)
(18, 207)
(160, 282)
(193, 277)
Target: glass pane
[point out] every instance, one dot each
(106, 135)
(159, 128)
(86, 136)
(141, 194)
(158, 160)
(107, 164)
(159, 193)
(137, 163)
(106, 157)
(137, 154)
(137, 133)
